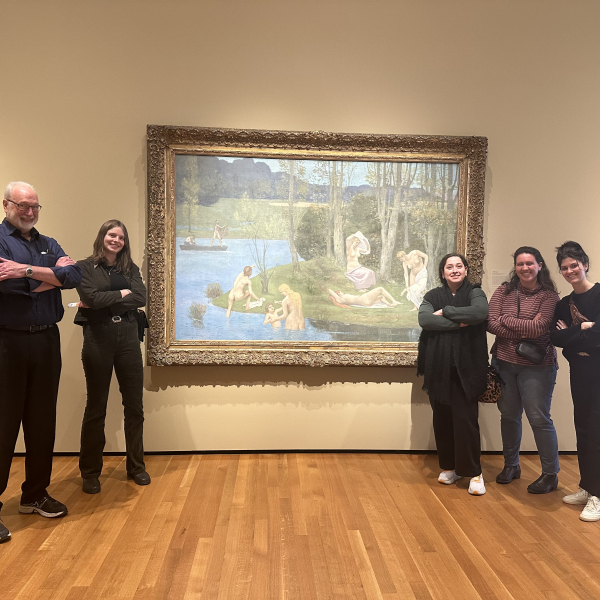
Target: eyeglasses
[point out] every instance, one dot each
(22, 207)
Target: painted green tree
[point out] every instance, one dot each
(260, 227)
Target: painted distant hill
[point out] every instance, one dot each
(220, 178)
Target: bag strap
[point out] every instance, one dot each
(518, 312)
(576, 317)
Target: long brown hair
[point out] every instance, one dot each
(123, 262)
(543, 278)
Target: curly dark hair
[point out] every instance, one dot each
(445, 260)
(572, 250)
(544, 278)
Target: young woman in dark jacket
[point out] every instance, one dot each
(576, 329)
(453, 358)
(111, 291)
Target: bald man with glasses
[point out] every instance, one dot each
(33, 270)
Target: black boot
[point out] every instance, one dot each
(508, 474)
(543, 484)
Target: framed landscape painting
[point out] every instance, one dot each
(303, 248)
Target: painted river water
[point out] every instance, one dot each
(196, 269)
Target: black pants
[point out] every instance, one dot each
(108, 345)
(456, 430)
(585, 390)
(30, 366)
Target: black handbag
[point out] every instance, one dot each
(531, 351)
(528, 349)
(142, 322)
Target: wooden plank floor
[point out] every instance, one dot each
(299, 526)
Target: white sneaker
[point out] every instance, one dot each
(448, 477)
(581, 497)
(477, 487)
(591, 512)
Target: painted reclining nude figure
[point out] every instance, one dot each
(366, 300)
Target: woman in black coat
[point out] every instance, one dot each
(453, 358)
(111, 291)
(577, 331)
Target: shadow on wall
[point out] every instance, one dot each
(291, 387)
(71, 405)
(161, 378)
(422, 423)
(420, 418)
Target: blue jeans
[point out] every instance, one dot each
(529, 388)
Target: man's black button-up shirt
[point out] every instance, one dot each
(20, 306)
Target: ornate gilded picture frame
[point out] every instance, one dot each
(302, 248)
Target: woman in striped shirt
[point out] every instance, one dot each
(523, 308)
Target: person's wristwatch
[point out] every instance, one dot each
(28, 271)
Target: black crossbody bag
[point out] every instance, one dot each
(528, 349)
(142, 322)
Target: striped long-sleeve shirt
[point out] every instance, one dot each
(510, 329)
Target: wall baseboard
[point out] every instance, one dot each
(302, 451)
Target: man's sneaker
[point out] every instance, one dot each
(591, 512)
(581, 497)
(448, 477)
(47, 507)
(477, 487)
(4, 533)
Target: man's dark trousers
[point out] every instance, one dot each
(30, 364)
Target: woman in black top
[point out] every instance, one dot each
(577, 330)
(111, 291)
(453, 358)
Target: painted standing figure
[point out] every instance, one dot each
(361, 277)
(239, 293)
(292, 308)
(415, 275)
(218, 233)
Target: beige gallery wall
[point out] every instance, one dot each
(82, 79)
